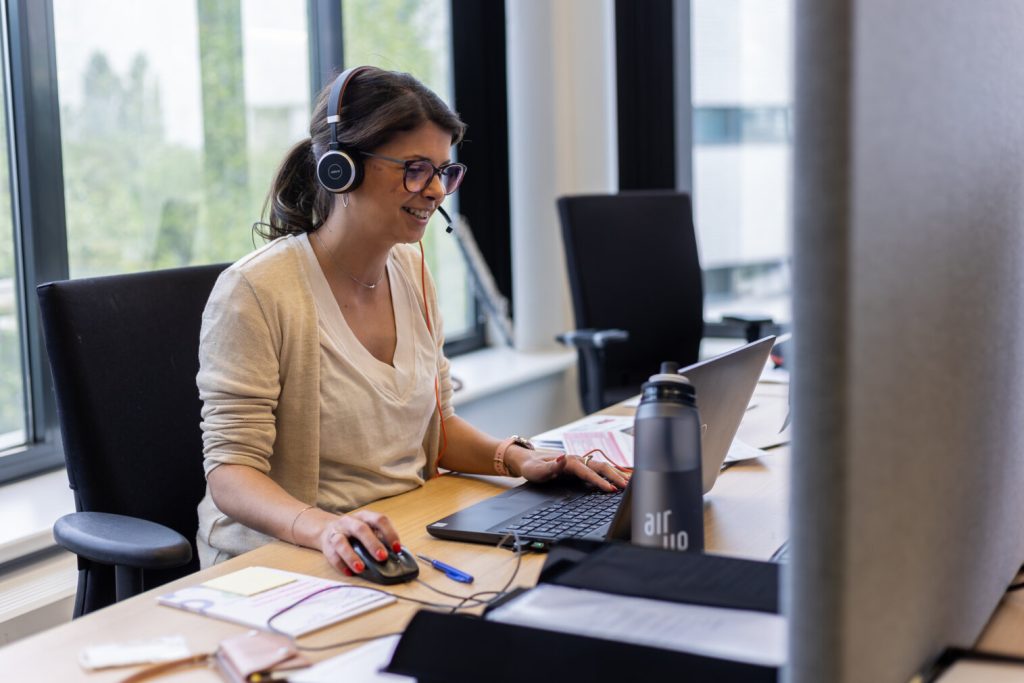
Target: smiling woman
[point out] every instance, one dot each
(339, 313)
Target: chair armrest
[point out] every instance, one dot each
(590, 344)
(121, 540)
(592, 339)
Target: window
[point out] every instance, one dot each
(742, 137)
(174, 117)
(415, 36)
(12, 377)
(146, 135)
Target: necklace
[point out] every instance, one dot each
(353, 278)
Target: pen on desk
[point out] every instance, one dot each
(449, 571)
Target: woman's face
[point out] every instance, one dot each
(382, 204)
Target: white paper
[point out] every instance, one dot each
(553, 438)
(130, 653)
(361, 665)
(342, 602)
(774, 375)
(736, 635)
(968, 671)
(741, 450)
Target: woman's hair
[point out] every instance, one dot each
(377, 105)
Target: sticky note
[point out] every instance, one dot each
(249, 581)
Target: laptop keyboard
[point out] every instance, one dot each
(571, 518)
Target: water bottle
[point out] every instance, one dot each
(667, 490)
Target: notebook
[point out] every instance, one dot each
(539, 514)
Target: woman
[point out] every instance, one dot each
(321, 367)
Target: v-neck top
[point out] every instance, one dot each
(372, 415)
(288, 390)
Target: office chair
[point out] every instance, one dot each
(637, 289)
(124, 353)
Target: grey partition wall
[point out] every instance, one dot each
(908, 473)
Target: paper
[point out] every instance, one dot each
(968, 671)
(738, 635)
(613, 435)
(341, 602)
(774, 375)
(134, 652)
(614, 432)
(611, 446)
(362, 665)
(741, 450)
(249, 581)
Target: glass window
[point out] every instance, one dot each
(174, 117)
(12, 377)
(415, 36)
(742, 140)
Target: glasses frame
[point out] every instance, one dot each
(438, 170)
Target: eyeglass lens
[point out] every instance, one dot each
(418, 175)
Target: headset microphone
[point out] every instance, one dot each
(447, 218)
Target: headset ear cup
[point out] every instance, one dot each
(338, 171)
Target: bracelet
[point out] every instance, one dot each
(499, 455)
(295, 519)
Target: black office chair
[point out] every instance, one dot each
(124, 353)
(637, 289)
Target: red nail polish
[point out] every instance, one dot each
(359, 567)
(346, 571)
(382, 554)
(396, 546)
(560, 458)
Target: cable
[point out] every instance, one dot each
(452, 609)
(443, 445)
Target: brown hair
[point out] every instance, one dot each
(377, 105)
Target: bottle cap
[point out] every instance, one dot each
(669, 372)
(668, 385)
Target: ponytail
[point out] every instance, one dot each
(296, 203)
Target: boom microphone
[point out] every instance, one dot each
(447, 219)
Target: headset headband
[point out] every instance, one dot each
(336, 98)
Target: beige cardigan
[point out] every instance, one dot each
(259, 358)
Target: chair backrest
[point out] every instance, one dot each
(124, 353)
(633, 264)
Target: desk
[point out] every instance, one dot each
(745, 515)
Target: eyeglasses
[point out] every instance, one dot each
(419, 173)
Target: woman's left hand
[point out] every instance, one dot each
(544, 465)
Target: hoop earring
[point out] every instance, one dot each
(344, 200)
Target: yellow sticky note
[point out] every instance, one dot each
(249, 581)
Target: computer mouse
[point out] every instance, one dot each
(398, 568)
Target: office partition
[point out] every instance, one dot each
(908, 307)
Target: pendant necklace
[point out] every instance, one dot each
(330, 253)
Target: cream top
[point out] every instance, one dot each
(372, 415)
(265, 385)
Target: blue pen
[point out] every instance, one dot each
(449, 571)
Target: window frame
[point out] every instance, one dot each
(37, 188)
(37, 201)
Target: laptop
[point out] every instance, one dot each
(540, 514)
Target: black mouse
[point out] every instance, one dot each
(398, 568)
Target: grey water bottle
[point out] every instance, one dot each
(667, 493)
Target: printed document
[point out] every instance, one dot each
(737, 635)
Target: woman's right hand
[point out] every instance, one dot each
(372, 529)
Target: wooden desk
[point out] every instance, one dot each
(745, 515)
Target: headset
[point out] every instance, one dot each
(339, 170)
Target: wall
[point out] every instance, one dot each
(562, 140)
